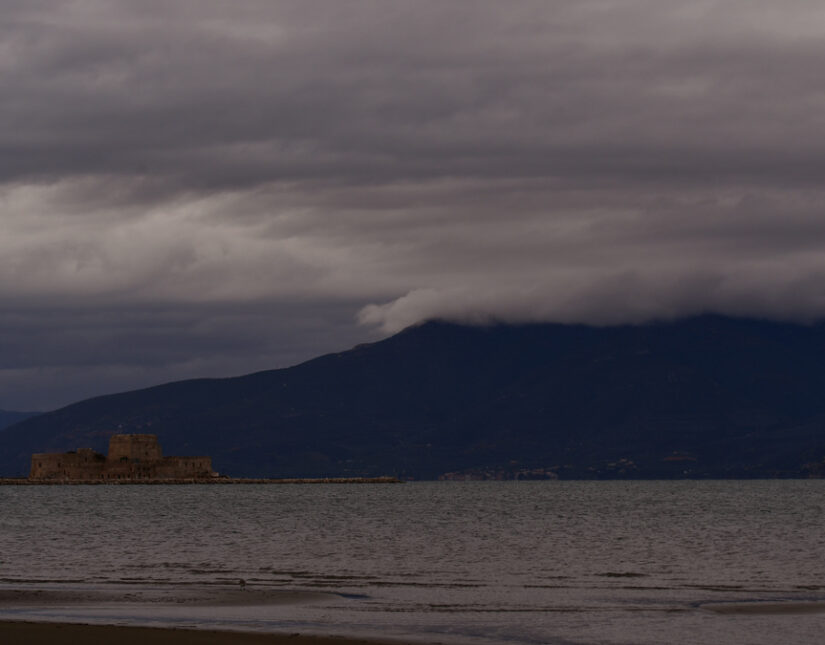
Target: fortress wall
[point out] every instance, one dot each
(134, 447)
(83, 464)
(184, 467)
(167, 468)
(126, 470)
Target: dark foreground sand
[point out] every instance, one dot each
(22, 633)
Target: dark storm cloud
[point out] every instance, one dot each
(169, 163)
(204, 94)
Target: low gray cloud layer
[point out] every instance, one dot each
(209, 188)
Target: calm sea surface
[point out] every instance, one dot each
(504, 562)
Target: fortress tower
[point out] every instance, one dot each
(137, 448)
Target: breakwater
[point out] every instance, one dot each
(11, 481)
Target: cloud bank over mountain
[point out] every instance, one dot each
(207, 188)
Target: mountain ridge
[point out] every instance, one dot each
(708, 396)
(10, 417)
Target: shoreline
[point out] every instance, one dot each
(46, 633)
(21, 481)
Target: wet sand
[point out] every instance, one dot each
(767, 608)
(23, 633)
(194, 596)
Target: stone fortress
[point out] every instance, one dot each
(132, 457)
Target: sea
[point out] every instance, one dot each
(557, 562)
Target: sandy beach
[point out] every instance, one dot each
(26, 633)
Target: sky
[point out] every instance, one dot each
(204, 189)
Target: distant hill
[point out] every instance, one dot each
(702, 397)
(9, 417)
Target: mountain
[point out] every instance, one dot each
(702, 397)
(9, 417)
